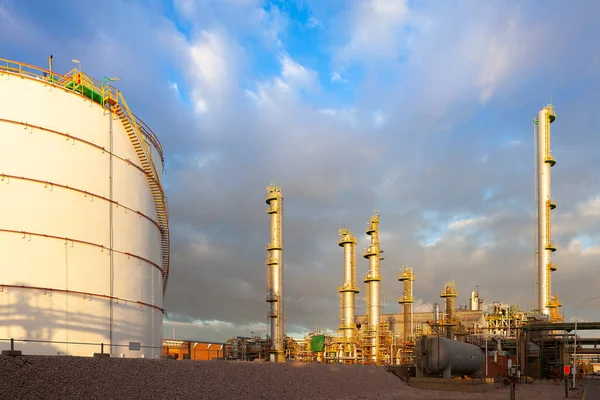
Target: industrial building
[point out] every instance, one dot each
(192, 350)
(86, 242)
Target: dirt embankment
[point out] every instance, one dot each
(37, 377)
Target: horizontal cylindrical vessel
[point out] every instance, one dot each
(83, 237)
(449, 357)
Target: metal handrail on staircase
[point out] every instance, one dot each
(134, 131)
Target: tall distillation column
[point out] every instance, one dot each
(474, 301)
(407, 277)
(372, 281)
(274, 261)
(449, 293)
(545, 302)
(348, 290)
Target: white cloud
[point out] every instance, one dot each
(312, 22)
(420, 306)
(208, 57)
(574, 246)
(186, 8)
(174, 86)
(210, 62)
(514, 142)
(375, 29)
(379, 118)
(220, 331)
(500, 55)
(295, 73)
(211, 330)
(431, 242)
(199, 104)
(591, 208)
(468, 222)
(274, 23)
(592, 251)
(292, 78)
(337, 77)
(347, 115)
(488, 56)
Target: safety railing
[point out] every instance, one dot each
(80, 83)
(12, 345)
(274, 193)
(153, 179)
(150, 135)
(406, 299)
(550, 245)
(371, 277)
(28, 70)
(372, 251)
(406, 275)
(273, 246)
(348, 288)
(345, 236)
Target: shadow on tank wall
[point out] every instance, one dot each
(53, 323)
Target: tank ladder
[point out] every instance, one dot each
(139, 144)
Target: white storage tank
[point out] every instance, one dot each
(84, 239)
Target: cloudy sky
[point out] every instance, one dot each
(419, 109)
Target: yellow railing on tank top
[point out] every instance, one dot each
(109, 97)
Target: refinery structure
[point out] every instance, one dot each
(88, 248)
(85, 243)
(450, 339)
(274, 261)
(544, 300)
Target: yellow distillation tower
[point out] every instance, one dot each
(274, 261)
(348, 291)
(372, 281)
(407, 277)
(545, 302)
(449, 294)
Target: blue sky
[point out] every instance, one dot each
(420, 109)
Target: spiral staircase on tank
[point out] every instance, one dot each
(138, 132)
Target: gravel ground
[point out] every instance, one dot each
(38, 377)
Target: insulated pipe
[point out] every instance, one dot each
(545, 244)
(372, 281)
(50, 67)
(274, 261)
